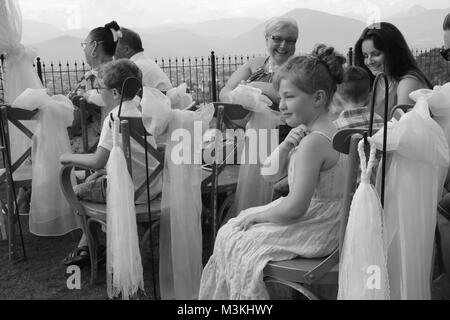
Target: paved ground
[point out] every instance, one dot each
(43, 276)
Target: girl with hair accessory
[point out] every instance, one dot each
(306, 222)
(382, 48)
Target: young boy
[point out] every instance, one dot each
(112, 77)
(354, 92)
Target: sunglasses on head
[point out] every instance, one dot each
(445, 53)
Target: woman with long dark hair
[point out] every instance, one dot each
(382, 48)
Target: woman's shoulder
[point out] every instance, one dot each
(413, 78)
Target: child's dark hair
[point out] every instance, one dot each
(105, 38)
(355, 86)
(114, 74)
(321, 70)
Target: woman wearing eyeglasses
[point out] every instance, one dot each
(281, 35)
(382, 48)
(99, 47)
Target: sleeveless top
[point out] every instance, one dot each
(393, 99)
(265, 76)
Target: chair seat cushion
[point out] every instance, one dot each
(296, 269)
(98, 210)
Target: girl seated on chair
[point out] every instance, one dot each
(112, 77)
(306, 222)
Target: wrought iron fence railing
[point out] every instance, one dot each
(204, 76)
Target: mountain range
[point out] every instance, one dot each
(421, 27)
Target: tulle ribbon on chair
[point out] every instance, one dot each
(50, 214)
(180, 226)
(362, 268)
(261, 140)
(416, 170)
(123, 259)
(20, 73)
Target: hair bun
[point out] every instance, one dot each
(112, 25)
(331, 59)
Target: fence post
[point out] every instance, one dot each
(39, 69)
(213, 76)
(350, 56)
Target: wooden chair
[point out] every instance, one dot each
(20, 170)
(91, 213)
(301, 273)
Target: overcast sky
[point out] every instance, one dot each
(75, 14)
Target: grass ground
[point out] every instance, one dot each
(43, 276)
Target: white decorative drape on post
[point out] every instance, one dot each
(19, 71)
(50, 213)
(415, 172)
(180, 247)
(123, 259)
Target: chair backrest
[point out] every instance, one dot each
(84, 106)
(231, 112)
(133, 128)
(14, 116)
(399, 110)
(346, 142)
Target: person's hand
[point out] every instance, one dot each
(65, 158)
(295, 136)
(249, 220)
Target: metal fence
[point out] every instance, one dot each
(204, 76)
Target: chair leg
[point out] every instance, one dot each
(92, 244)
(296, 286)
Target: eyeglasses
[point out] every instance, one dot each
(84, 44)
(279, 40)
(445, 53)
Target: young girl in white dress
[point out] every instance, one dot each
(306, 222)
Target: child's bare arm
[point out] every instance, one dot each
(95, 160)
(275, 166)
(308, 162)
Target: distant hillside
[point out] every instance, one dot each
(421, 27)
(34, 32)
(314, 27)
(223, 28)
(65, 48)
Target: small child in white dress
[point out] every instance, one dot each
(306, 222)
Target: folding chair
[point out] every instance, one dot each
(14, 175)
(91, 213)
(223, 178)
(300, 273)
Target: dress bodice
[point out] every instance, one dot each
(330, 180)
